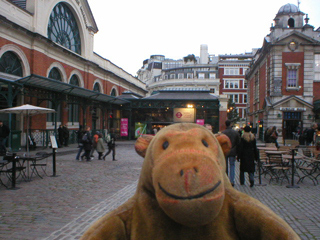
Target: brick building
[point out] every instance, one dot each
(47, 59)
(284, 78)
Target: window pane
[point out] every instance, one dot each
(10, 63)
(63, 28)
(292, 78)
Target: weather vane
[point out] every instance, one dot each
(299, 4)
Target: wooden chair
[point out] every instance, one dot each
(309, 167)
(278, 169)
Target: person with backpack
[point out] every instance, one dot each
(94, 144)
(111, 141)
(234, 137)
(100, 147)
(87, 144)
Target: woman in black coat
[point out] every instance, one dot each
(247, 154)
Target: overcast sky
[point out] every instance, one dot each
(130, 31)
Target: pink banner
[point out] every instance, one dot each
(124, 127)
(200, 121)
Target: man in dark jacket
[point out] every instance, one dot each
(111, 146)
(61, 136)
(4, 133)
(87, 144)
(310, 134)
(231, 158)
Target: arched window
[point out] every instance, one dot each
(291, 23)
(74, 80)
(63, 28)
(55, 74)
(11, 64)
(96, 87)
(113, 93)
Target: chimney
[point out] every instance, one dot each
(204, 57)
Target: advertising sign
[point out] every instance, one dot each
(200, 121)
(183, 115)
(124, 127)
(140, 128)
(53, 142)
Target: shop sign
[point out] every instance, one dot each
(124, 127)
(183, 115)
(200, 121)
(140, 128)
(300, 109)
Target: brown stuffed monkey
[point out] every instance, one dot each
(184, 194)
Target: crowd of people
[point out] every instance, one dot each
(307, 136)
(88, 145)
(244, 147)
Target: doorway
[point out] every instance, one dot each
(291, 121)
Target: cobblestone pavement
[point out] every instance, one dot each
(63, 207)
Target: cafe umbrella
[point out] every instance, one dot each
(27, 110)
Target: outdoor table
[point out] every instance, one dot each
(293, 157)
(28, 158)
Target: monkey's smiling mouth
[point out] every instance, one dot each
(199, 195)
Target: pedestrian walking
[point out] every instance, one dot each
(87, 144)
(231, 158)
(94, 143)
(100, 146)
(111, 146)
(4, 133)
(247, 154)
(81, 132)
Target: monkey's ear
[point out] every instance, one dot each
(225, 142)
(142, 144)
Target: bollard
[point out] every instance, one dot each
(14, 171)
(259, 169)
(54, 163)
(292, 175)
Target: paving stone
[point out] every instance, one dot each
(63, 207)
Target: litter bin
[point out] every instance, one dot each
(15, 140)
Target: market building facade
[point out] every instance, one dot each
(47, 59)
(284, 78)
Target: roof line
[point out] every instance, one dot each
(94, 95)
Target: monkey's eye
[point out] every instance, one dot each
(204, 142)
(165, 145)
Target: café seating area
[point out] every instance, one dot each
(289, 164)
(16, 167)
